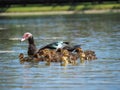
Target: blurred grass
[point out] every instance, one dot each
(69, 7)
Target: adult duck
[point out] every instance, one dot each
(32, 47)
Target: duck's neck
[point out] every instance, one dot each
(31, 40)
(32, 47)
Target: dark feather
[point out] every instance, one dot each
(72, 48)
(52, 45)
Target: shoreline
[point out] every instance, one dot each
(59, 12)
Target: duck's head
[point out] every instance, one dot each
(26, 36)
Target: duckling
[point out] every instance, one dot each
(27, 59)
(61, 55)
(90, 55)
(50, 55)
(48, 59)
(86, 55)
(64, 61)
(64, 58)
(47, 56)
(21, 57)
(71, 57)
(81, 54)
(42, 54)
(55, 56)
(24, 59)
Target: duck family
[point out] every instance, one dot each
(60, 51)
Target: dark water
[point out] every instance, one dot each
(100, 33)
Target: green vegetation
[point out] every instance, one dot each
(45, 8)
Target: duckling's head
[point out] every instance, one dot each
(79, 50)
(59, 50)
(46, 51)
(43, 52)
(65, 52)
(82, 55)
(21, 55)
(53, 52)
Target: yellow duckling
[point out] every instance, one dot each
(81, 55)
(64, 57)
(47, 57)
(67, 57)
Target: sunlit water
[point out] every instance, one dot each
(100, 33)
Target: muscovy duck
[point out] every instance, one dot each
(32, 50)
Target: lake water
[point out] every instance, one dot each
(98, 32)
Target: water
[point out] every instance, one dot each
(100, 33)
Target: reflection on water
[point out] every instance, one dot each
(100, 33)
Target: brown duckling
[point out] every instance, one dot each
(48, 55)
(90, 55)
(86, 55)
(41, 54)
(53, 55)
(81, 54)
(24, 59)
(71, 57)
(27, 59)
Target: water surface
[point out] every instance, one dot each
(100, 33)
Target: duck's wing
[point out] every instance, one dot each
(49, 46)
(72, 48)
(77, 46)
(54, 45)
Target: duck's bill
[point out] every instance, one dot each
(23, 39)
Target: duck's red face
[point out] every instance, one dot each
(26, 36)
